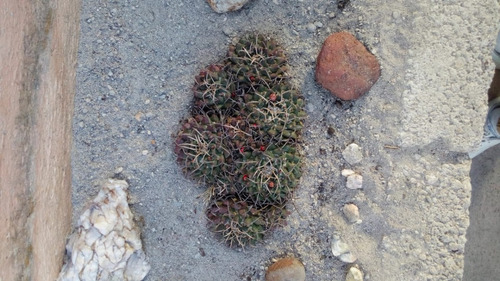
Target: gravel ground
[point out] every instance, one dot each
(137, 62)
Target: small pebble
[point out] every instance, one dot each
(286, 269)
(341, 250)
(351, 212)
(318, 24)
(311, 27)
(223, 6)
(354, 181)
(227, 31)
(145, 152)
(347, 172)
(352, 154)
(347, 258)
(138, 116)
(354, 274)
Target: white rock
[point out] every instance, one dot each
(354, 181)
(90, 271)
(351, 212)
(119, 241)
(347, 172)
(354, 274)
(223, 6)
(87, 254)
(91, 236)
(106, 244)
(352, 154)
(98, 221)
(106, 264)
(86, 223)
(347, 257)
(110, 213)
(341, 250)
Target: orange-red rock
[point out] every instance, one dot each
(286, 269)
(345, 67)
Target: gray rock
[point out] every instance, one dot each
(354, 181)
(227, 31)
(311, 27)
(352, 154)
(223, 6)
(310, 107)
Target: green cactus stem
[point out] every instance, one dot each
(242, 139)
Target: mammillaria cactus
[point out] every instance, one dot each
(242, 138)
(241, 223)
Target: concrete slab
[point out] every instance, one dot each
(482, 250)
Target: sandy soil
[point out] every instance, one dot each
(137, 61)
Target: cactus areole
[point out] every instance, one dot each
(242, 139)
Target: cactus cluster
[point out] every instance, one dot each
(242, 138)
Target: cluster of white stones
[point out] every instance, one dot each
(354, 180)
(106, 244)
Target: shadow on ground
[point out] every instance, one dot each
(482, 250)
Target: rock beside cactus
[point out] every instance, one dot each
(223, 6)
(286, 269)
(242, 137)
(106, 244)
(345, 67)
